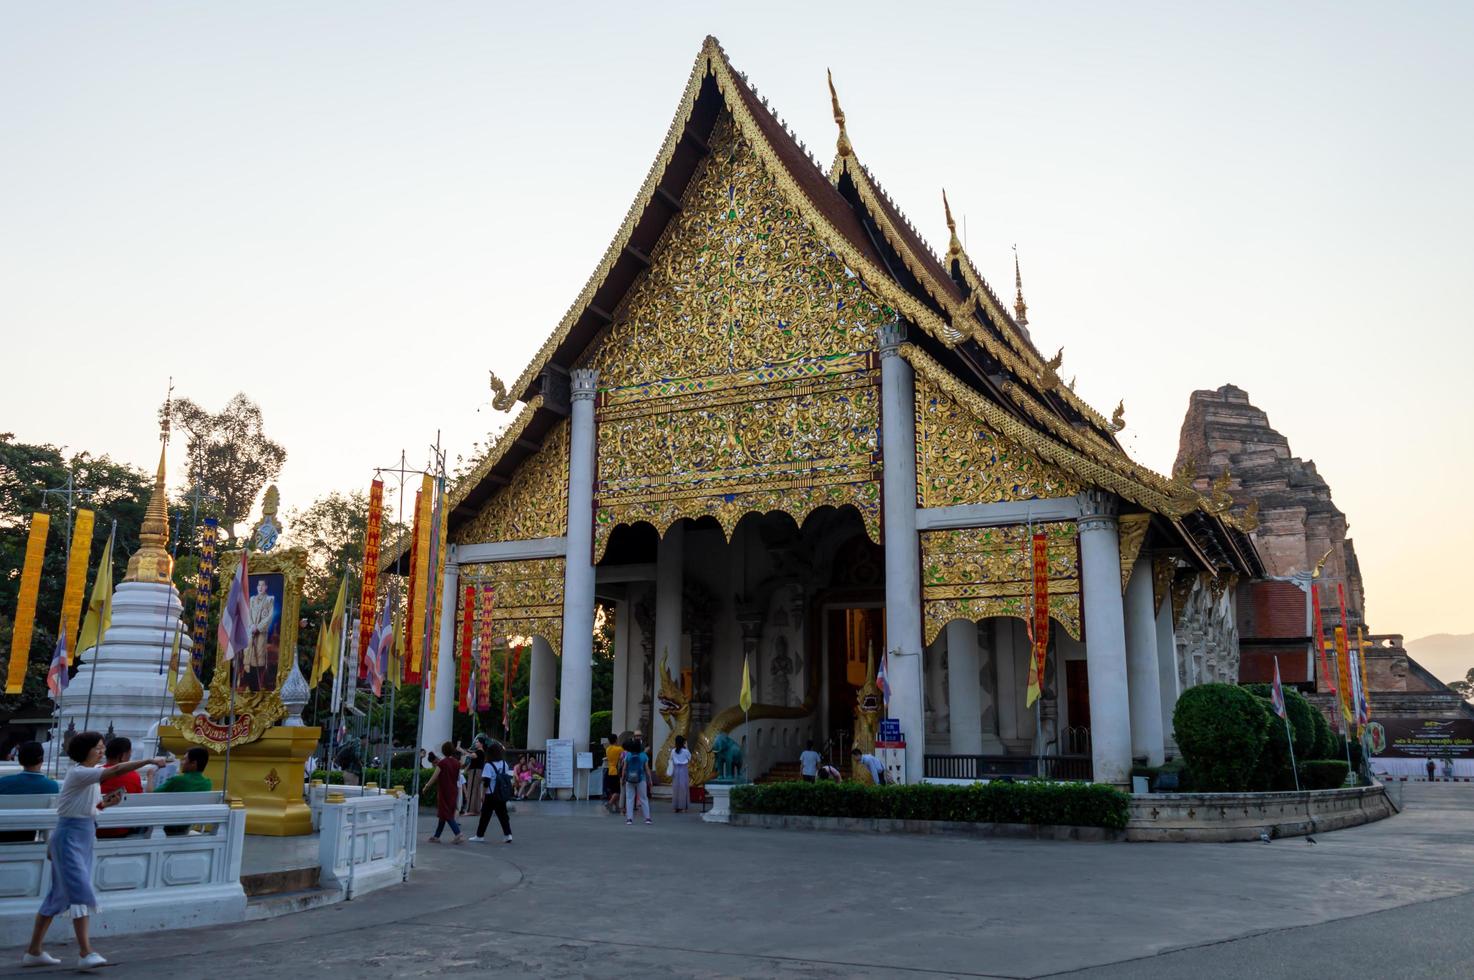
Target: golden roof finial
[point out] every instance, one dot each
(151, 562)
(954, 247)
(1020, 308)
(843, 143)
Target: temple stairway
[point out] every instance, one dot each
(788, 772)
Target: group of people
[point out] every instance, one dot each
(865, 767)
(628, 775)
(103, 775)
(478, 782)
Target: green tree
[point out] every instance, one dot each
(114, 491)
(229, 457)
(1465, 687)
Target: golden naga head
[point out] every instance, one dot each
(1221, 499)
(671, 698)
(1118, 417)
(500, 400)
(1049, 376)
(1248, 521)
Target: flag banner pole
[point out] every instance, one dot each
(107, 604)
(25, 603)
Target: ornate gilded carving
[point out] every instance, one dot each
(1163, 567)
(500, 400)
(1132, 529)
(974, 573)
(1118, 417)
(738, 377)
(529, 596)
(959, 460)
(533, 505)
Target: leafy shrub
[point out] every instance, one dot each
(1326, 744)
(1030, 802)
(1273, 771)
(600, 724)
(1323, 774)
(1221, 729)
(1302, 719)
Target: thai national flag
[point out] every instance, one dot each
(1277, 693)
(56, 676)
(235, 617)
(881, 680)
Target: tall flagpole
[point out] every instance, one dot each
(107, 601)
(1289, 734)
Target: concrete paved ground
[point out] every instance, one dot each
(580, 894)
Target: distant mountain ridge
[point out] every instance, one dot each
(1448, 655)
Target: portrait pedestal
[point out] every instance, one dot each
(266, 774)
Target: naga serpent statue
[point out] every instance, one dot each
(675, 707)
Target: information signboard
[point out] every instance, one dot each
(559, 774)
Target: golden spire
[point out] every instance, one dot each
(843, 143)
(152, 562)
(954, 247)
(1020, 308)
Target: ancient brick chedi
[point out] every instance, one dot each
(1299, 523)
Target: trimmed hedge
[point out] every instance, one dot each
(1221, 730)
(1326, 742)
(1323, 774)
(1273, 772)
(1029, 802)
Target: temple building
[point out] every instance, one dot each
(776, 429)
(1302, 538)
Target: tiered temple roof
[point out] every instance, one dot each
(965, 333)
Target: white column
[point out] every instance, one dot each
(964, 690)
(1142, 668)
(542, 692)
(1167, 671)
(1105, 639)
(578, 577)
(902, 551)
(438, 720)
(623, 611)
(991, 696)
(669, 578)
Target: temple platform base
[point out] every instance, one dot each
(265, 774)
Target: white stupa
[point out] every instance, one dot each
(128, 690)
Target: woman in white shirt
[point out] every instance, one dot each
(678, 768)
(70, 849)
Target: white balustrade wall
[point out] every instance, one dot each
(367, 841)
(143, 882)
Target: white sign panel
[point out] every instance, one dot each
(559, 774)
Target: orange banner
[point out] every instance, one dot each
(421, 593)
(78, 556)
(368, 603)
(483, 667)
(440, 523)
(468, 628)
(1327, 678)
(25, 603)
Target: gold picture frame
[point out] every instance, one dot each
(263, 707)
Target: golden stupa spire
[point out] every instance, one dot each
(1020, 308)
(954, 247)
(152, 562)
(843, 143)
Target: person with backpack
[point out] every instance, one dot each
(635, 765)
(496, 777)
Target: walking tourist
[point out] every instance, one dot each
(448, 774)
(612, 752)
(808, 763)
(471, 767)
(30, 781)
(680, 772)
(70, 849)
(636, 766)
(496, 778)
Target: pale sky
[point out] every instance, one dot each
(351, 211)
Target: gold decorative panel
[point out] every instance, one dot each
(959, 460)
(533, 505)
(739, 376)
(974, 573)
(529, 596)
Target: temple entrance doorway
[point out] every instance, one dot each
(850, 629)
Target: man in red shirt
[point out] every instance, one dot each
(119, 750)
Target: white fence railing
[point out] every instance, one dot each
(146, 881)
(367, 840)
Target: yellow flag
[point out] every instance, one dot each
(25, 603)
(330, 636)
(99, 607)
(744, 700)
(76, 582)
(174, 660)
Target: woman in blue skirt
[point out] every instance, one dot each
(70, 849)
